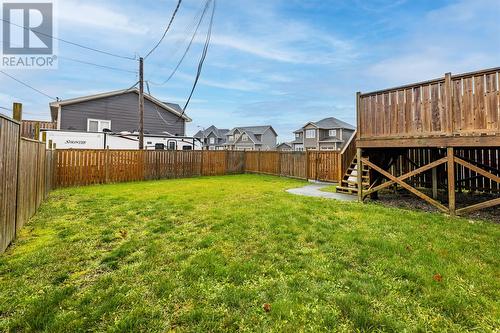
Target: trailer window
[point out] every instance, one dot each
(98, 125)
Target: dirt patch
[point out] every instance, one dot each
(405, 200)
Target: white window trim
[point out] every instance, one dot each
(212, 140)
(244, 137)
(99, 125)
(332, 132)
(308, 131)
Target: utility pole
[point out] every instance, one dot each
(141, 103)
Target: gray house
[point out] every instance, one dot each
(213, 138)
(326, 134)
(251, 138)
(118, 111)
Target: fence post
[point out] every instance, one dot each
(106, 165)
(37, 131)
(258, 162)
(279, 163)
(339, 166)
(226, 161)
(307, 164)
(201, 162)
(17, 110)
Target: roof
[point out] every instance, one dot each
(288, 144)
(332, 122)
(298, 141)
(257, 130)
(220, 133)
(170, 107)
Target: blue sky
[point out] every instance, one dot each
(278, 62)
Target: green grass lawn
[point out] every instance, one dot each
(331, 189)
(206, 254)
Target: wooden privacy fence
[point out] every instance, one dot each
(86, 167)
(26, 174)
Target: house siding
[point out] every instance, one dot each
(311, 143)
(122, 110)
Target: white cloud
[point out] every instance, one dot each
(461, 37)
(96, 16)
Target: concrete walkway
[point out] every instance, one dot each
(314, 190)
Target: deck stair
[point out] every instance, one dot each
(349, 183)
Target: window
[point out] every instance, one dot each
(244, 137)
(98, 125)
(297, 135)
(172, 145)
(332, 133)
(231, 138)
(212, 141)
(310, 134)
(211, 148)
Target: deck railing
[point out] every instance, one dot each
(456, 105)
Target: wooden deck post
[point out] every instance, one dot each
(360, 174)
(451, 181)
(434, 171)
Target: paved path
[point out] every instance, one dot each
(314, 190)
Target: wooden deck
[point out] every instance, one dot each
(442, 134)
(454, 111)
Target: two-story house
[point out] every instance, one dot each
(212, 138)
(252, 138)
(118, 111)
(326, 134)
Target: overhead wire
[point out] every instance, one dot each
(166, 29)
(29, 86)
(187, 48)
(70, 42)
(98, 65)
(202, 60)
(156, 108)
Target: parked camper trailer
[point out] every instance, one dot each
(125, 141)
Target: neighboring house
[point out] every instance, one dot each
(326, 134)
(285, 146)
(212, 138)
(118, 111)
(251, 138)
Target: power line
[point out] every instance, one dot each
(4, 108)
(202, 60)
(166, 30)
(71, 43)
(91, 63)
(27, 85)
(98, 65)
(188, 47)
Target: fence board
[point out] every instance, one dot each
(9, 141)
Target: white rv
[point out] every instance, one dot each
(125, 141)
